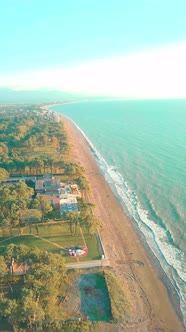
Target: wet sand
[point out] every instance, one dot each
(126, 254)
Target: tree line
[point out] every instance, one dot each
(36, 303)
(17, 205)
(83, 217)
(24, 142)
(36, 300)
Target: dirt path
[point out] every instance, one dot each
(37, 236)
(84, 242)
(42, 238)
(151, 309)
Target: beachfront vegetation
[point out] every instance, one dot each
(17, 206)
(42, 204)
(14, 198)
(31, 145)
(82, 183)
(3, 173)
(118, 296)
(38, 298)
(83, 217)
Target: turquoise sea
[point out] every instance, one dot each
(140, 147)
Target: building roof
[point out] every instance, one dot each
(19, 270)
(39, 185)
(52, 183)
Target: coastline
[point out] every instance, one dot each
(47, 107)
(145, 284)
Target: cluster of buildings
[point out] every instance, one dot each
(61, 195)
(49, 115)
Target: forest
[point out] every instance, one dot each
(35, 301)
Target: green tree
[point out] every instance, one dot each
(3, 269)
(49, 161)
(38, 303)
(73, 219)
(43, 139)
(42, 203)
(23, 191)
(10, 310)
(5, 224)
(31, 142)
(39, 164)
(3, 266)
(75, 326)
(70, 169)
(93, 225)
(32, 311)
(3, 174)
(21, 131)
(48, 276)
(30, 216)
(33, 256)
(13, 199)
(82, 184)
(3, 149)
(85, 208)
(18, 252)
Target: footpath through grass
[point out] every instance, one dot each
(53, 237)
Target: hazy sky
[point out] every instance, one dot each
(130, 48)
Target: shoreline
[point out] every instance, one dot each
(172, 294)
(47, 107)
(151, 280)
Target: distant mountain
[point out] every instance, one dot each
(38, 96)
(10, 96)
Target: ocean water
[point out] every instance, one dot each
(140, 146)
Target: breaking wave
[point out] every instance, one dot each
(171, 259)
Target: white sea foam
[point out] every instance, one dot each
(171, 259)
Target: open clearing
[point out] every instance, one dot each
(53, 237)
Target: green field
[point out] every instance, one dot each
(53, 237)
(37, 150)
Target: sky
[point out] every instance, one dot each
(122, 48)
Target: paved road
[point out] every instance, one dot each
(84, 265)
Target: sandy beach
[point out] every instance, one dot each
(153, 304)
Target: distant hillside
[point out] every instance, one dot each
(38, 96)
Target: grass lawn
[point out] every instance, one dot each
(53, 237)
(38, 149)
